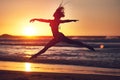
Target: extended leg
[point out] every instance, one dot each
(50, 44)
(77, 43)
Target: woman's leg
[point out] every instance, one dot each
(50, 44)
(80, 44)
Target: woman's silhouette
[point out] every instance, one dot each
(58, 36)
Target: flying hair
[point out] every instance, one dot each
(63, 4)
(60, 10)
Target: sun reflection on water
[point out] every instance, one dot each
(27, 67)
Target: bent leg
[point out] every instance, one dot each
(50, 44)
(80, 44)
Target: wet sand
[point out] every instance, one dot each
(21, 75)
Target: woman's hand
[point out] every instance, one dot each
(32, 20)
(75, 20)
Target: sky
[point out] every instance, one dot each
(96, 17)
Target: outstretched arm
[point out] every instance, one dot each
(66, 21)
(41, 20)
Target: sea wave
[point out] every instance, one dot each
(41, 41)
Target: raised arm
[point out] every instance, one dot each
(40, 20)
(66, 21)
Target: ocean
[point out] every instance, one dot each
(15, 52)
(19, 49)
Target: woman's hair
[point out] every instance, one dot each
(59, 12)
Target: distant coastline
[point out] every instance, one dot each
(82, 36)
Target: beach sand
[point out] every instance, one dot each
(21, 75)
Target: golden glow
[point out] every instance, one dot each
(101, 46)
(27, 67)
(101, 17)
(29, 31)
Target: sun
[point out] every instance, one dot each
(29, 31)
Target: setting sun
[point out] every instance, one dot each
(29, 31)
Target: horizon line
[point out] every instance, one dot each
(51, 35)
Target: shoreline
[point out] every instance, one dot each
(61, 62)
(21, 75)
(50, 68)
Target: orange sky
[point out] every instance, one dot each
(96, 17)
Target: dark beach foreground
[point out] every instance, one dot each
(20, 75)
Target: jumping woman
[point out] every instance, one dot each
(58, 36)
